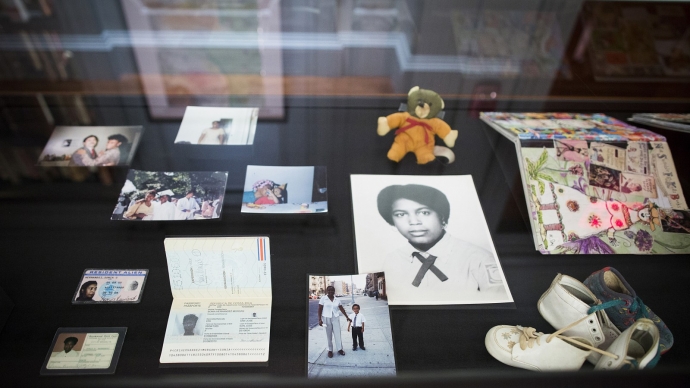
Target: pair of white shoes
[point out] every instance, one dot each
(584, 332)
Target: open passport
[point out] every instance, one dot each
(221, 309)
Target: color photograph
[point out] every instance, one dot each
(275, 189)
(91, 146)
(171, 196)
(349, 328)
(218, 126)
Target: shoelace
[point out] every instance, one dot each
(529, 336)
(640, 310)
(637, 307)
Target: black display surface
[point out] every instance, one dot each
(52, 231)
(6, 306)
(321, 72)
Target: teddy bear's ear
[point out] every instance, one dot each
(414, 89)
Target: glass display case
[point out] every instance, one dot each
(301, 86)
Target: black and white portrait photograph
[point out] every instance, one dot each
(189, 324)
(429, 236)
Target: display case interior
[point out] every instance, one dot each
(260, 118)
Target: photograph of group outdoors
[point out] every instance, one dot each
(349, 329)
(218, 126)
(91, 146)
(429, 236)
(274, 189)
(171, 196)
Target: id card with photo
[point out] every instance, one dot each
(84, 350)
(110, 286)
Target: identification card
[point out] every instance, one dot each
(84, 350)
(110, 286)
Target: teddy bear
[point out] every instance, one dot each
(417, 127)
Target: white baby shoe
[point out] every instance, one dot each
(524, 347)
(568, 301)
(636, 348)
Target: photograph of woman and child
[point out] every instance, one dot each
(90, 146)
(273, 189)
(429, 236)
(348, 328)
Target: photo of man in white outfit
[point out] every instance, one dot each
(186, 207)
(163, 209)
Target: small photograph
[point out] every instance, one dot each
(662, 166)
(67, 349)
(91, 146)
(79, 350)
(637, 158)
(604, 177)
(672, 221)
(429, 236)
(607, 155)
(110, 286)
(641, 185)
(278, 189)
(218, 126)
(571, 150)
(187, 324)
(349, 328)
(171, 196)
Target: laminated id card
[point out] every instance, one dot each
(84, 350)
(110, 286)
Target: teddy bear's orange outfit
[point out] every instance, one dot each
(415, 135)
